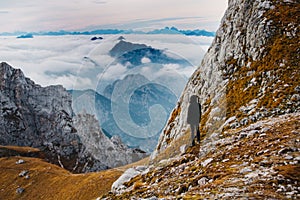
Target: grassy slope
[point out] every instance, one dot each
(49, 181)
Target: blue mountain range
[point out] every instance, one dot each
(166, 30)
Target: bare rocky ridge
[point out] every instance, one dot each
(107, 153)
(248, 84)
(250, 72)
(42, 117)
(37, 117)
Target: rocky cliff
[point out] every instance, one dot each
(35, 116)
(250, 72)
(248, 84)
(107, 153)
(42, 117)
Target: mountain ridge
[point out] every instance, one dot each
(240, 70)
(42, 117)
(166, 30)
(248, 85)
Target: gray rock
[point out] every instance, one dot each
(202, 181)
(237, 45)
(151, 198)
(118, 186)
(297, 158)
(33, 115)
(20, 190)
(23, 173)
(20, 162)
(206, 162)
(245, 170)
(183, 148)
(109, 152)
(288, 157)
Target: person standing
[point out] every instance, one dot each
(194, 117)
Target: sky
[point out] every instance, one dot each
(53, 15)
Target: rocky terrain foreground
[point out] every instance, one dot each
(259, 161)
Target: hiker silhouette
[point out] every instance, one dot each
(194, 117)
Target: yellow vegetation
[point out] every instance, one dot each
(174, 148)
(281, 61)
(48, 181)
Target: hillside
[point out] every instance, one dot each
(260, 161)
(250, 72)
(42, 180)
(47, 181)
(249, 89)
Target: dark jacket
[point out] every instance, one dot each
(194, 111)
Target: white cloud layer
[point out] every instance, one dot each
(76, 61)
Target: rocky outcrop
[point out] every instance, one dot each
(107, 153)
(37, 116)
(250, 72)
(42, 117)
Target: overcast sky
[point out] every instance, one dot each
(53, 15)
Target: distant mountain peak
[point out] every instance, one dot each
(123, 47)
(121, 38)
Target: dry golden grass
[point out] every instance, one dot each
(20, 149)
(281, 60)
(48, 181)
(173, 149)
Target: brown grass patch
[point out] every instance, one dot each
(174, 148)
(281, 62)
(20, 149)
(48, 181)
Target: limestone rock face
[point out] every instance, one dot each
(42, 117)
(250, 72)
(37, 116)
(107, 152)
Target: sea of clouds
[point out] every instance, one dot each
(66, 60)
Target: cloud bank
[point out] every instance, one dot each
(76, 61)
